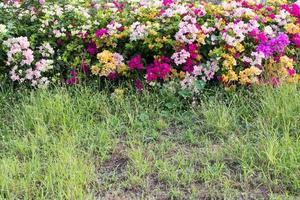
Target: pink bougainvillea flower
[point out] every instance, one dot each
(296, 40)
(136, 63)
(119, 5)
(246, 4)
(60, 42)
(42, 2)
(199, 12)
(295, 10)
(121, 29)
(237, 55)
(165, 59)
(73, 73)
(158, 70)
(269, 9)
(262, 37)
(92, 48)
(167, 2)
(161, 12)
(193, 51)
(254, 32)
(189, 66)
(258, 35)
(82, 35)
(73, 79)
(151, 76)
(272, 16)
(291, 72)
(85, 68)
(100, 32)
(259, 6)
(112, 76)
(138, 85)
(275, 81)
(275, 45)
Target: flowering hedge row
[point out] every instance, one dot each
(150, 42)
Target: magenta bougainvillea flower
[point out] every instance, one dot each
(100, 32)
(167, 2)
(193, 51)
(258, 35)
(158, 70)
(291, 72)
(92, 48)
(136, 63)
(188, 66)
(73, 79)
(293, 9)
(112, 76)
(278, 44)
(60, 42)
(85, 68)
(138, 85)
(275, 81)
(119, 5)
(275, 45)
(296, 40)
(265, 49)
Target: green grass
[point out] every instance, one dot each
(85, 144)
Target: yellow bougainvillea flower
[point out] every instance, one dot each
(232, 50)
(105, 56)
(95, 70)
(249, 75)
(232, 76)
(229, 61)
(239, 47)
(123, 70)
(107, 69)
(201, 38)
(181, 74)
(292, 28)
(108, 63)
(277, 1)
(286, 62)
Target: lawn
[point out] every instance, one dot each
(79, 143)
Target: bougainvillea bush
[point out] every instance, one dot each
(237, 43)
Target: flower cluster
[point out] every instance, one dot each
(188, 30)
(159, 69)
(138, 31)
(201, 74)
(108, 63)
(136, 63)
(275, 45)
(249, 75)
(181, 57)
(239, 42)
(46, 50)
(19, 51)
(20, 57)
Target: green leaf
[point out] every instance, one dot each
(184, 93)
(199, 84)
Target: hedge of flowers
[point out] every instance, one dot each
(236, 43)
